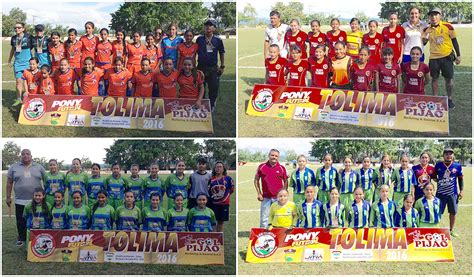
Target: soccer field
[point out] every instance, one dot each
(249, 216)
(252, 71)
(14, 258)
(223, 117)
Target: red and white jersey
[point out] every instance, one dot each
(276, 71)
(362, 78)
(415, 79)
(375, 47)
(388, 77)
(297, 73)
(319, 72)
(299, 39)
(314, 41)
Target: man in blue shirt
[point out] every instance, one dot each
(21, 49)
(450, 185)
(209, 46)
(40, 44)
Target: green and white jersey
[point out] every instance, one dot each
(79, 217)
(36, 219)
(128, 219)
(154, 220)
(94, 185)
(59, 217)
(175, 185)
(299, 180)
(76, 182)
(201, 220)
(310, 215)
(382, 214)
(137, 185)
(429, 210)
(367, 178)
(102, 218)
(404, 180)
(406, 219)
(384, 176)
(327, 178)
(334, 214)
(54, 182)
(177, 220)
(153, 185)
(358, 214)
(116, 187)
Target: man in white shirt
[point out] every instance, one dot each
(275, 34)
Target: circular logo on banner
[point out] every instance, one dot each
(377, 41)
(264, 245)
(300, 69)
(298, 39)
(420, 74)
(325, 66)
(278, 66)
(263, 101)
(394, 72)
(34, 109)
(398, 35)
(43, 245)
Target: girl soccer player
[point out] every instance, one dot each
(334, 211)
(128, 216)
(95, 184)
(367, 177)
(76, 180)
(59, 212)
(407, 216)
(327, 177)
(340, 67)
(79, 214)
(404, 181)
(153, 184)
(154, 217)
(315, 37)
(73, 49)
(53, 181)
(119, 46)
(319, 67)
(415, 73)
(335, 35)
(382, 212)
(295, 36)
(178, 215)
(90, 77)
(37, 211)
(116, 185)
(394, 37)
(310, 214)
(188, 49)
(142, 81)
(358, 211)
(102, 214)
(428, 208)
(362, 72)
(385, 174)
(103, 54)
(46, 83)
(201, 218)
(31, 77)
(424, 172)
(152, 52)
(136, 184)
(348, 182)
(221, 187)
(135, 52)
(387, 75)
(296, 68)
(275, 67)
(117, 79)
(64, 78)
(191, 82)
(283, 212)
(354, 39)
(56, 49)
(177, 183)
(170, 43)
(300, 179)
(374, 41)
(166, 79)
(89, 42)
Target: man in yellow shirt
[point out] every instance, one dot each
(442, 38)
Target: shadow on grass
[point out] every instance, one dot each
(244, 234)
(9, 97)
(252, 80)
(243, 254)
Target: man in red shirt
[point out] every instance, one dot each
(272, 175)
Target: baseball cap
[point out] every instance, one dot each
(448, 149)
(39, 28)
(211, 22)
(435, 10)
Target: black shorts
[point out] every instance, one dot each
(451, 201)
(221, 212)
(445, 65)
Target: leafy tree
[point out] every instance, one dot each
(86, 163)
(8, 21)
(248, 15)
(462, 149)
(291, 155)
(457, 10)
(362, 17)
(11, 153)
(226, 12)
(324, 18)
(42, 161)
(223, 150)
(294, 10)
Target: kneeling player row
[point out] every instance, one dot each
(39, 214)
(360, 214)
(116, 81)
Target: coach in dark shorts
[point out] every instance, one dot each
(209, 46)
(23, 177)
(443, 43)
(450, 186)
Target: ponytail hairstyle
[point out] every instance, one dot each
(124, 43)
(194, 71)
(96, 204)
(44, 206)
(68, 41)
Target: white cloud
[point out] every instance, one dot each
(299, 145)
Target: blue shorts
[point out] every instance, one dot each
(451, 201)
(18, 70)
(407, 58)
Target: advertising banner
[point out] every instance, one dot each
(420, 113)
(348, 245)
(168, 114)
(126, 247)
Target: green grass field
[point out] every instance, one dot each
(223, 117)
(14, 258)
(249, 216)
(252, 71)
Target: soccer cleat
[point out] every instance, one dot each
(17, 102)
(451, 104)
(453, 234)
(19, 243)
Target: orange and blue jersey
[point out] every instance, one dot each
(188, 87)
(154, 55)
(186, 51)
(89, 47)
(167, 83)
(58, 52)
(118, 49)
(32, 80)
(143, 84)
(74, 53)
(46, 86)
(64, 81)
(103, 55)
(90, 81)
(117, 82)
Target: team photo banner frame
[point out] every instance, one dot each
(419, 113)
(166, 114)
(280, 245)
(190, 248)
